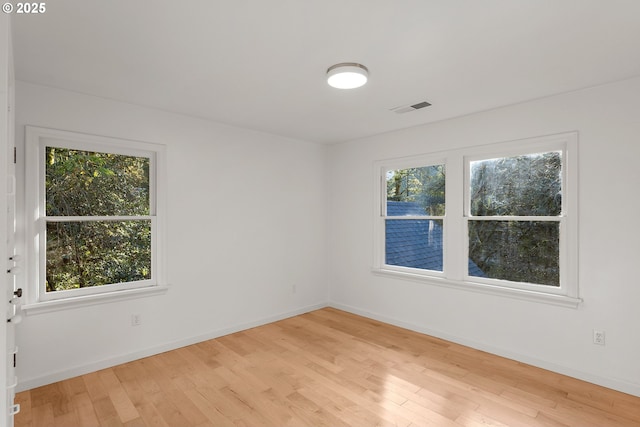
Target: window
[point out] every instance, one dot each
(515, 210)
(414, 215)
(509, 226)
(96, 206)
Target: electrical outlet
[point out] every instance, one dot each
(136, 320)
(294, 289)
(598, 337)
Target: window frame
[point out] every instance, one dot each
(37, 139)
(456, 221)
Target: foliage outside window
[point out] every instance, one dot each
(83, 248)
(423, 186)
(96, 226)
(514, 226)
(509, 226)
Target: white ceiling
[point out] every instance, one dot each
(261, 64)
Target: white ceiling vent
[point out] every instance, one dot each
(407, 108)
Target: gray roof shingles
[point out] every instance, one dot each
(415, 243)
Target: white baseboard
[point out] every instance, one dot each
(612, 383)
(29, 383)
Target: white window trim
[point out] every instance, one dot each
(455, 250)
(37, 138)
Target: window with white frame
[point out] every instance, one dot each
(510, 223)
(413, 216)
(96, 207)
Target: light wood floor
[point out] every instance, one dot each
(325, 368)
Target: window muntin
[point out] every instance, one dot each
(414, 209)
(95, 202)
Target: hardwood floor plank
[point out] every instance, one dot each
(609, 402)
(67, 419)
(85, 411)
(587, 415)
(167, 410)
(41, 416)
(137, 422)
(151, 416)
(24, 400)
(236, 406)
(75, 386)
(325, 368)
(342, 409)
(105, 411)
(124, 407)
(451, 407)
(476, 419)
(94, 386)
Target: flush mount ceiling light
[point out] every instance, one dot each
(347, 75)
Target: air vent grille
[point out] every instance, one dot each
(407, 108)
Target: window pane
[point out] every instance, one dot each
(521, 185)
(519, 251)
(422, 187)
(414, 243)
(82, 183)
(95, 253)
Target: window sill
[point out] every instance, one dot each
(521, 294)
(87, 300)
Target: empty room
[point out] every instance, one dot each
(320, 213)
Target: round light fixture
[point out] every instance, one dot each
(347, 75)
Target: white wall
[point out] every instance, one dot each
(556, 338)
(246, 223)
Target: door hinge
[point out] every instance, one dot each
(15, 155)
